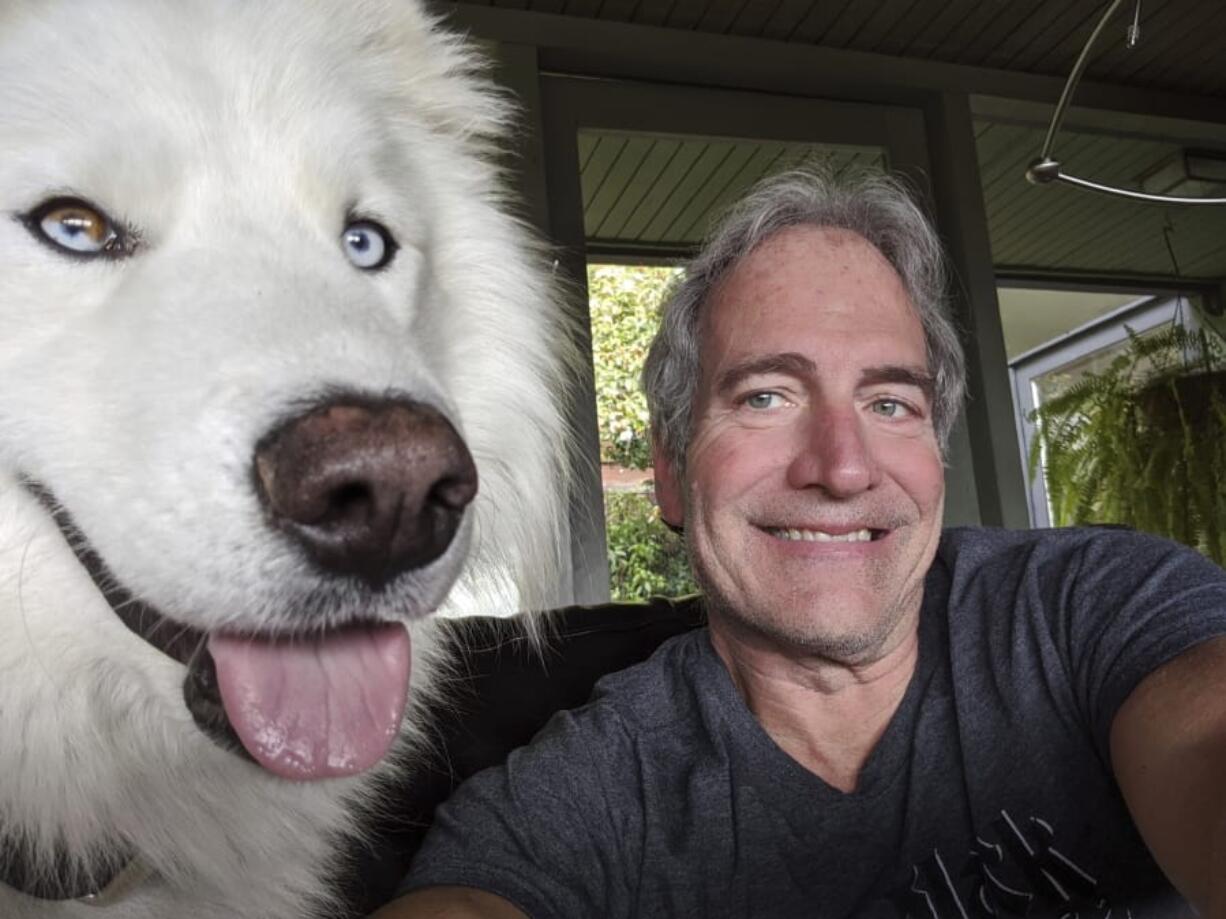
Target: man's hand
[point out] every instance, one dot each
(1168, 750)
(449, 903)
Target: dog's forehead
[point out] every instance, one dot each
(139, 85)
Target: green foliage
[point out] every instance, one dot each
(624, 303)
(1143, 442)
(645, 558)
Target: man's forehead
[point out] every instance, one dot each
(838, 247)
(809, 280)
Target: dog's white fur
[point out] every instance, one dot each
(236, 136)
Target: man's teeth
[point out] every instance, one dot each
(820, 536)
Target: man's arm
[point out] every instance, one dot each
(449, 903)
(1168, 750)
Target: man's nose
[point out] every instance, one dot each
(833, 454)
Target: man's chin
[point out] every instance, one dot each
(832, 626)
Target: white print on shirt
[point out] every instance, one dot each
(1054, 885)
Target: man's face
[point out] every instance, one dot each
(813, 490)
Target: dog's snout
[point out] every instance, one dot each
(368, 489)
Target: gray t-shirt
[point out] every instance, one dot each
(990, 793)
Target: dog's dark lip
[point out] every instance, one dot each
(182, 643)
(173, 639)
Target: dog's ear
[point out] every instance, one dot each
(443, 78)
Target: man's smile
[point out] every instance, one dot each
(801, 534)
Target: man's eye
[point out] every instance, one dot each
(762, 400)
(890, 408)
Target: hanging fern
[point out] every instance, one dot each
(1143, 441)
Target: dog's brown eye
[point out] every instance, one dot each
(75, 226)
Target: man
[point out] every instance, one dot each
(880, 719)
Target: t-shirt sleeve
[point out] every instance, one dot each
(1130, 604)
(542, 830)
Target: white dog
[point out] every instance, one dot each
(263, 329)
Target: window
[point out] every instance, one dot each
(1047, 370)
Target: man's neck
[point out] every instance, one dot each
(825, 714)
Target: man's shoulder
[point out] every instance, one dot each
(1093, 571)
(973, 546)
(661, 691)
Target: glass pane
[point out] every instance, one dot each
(1049, 385)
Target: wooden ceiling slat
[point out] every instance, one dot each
(586, 144)
(821, 17)
(1031, 33)
(928, 42)
(1002, 154)
(1198, 243)
(855, 160)
(662, 191)
(686, 14)
(1124, 240)
(1182, 33)
(639, 188)
(1197, 236)
(602, 159)
(681, 230)
(1008, 187)
(1030, 226)
(901, 27)
(1050, 222)
(761, 161)
(718, 15)
(788, 15)
(1073, 218)
(613, 184)
(1060, 56)
(1133, 238)
(959, 43)
(753, 17)
(1054, 37)
(843, 30)
(652, 12)
(982, 48)
(1198, 71)
(617, 10)
(1014, 206)
(1112, 48)
(547, 6)
(1208, 264)
(584, 9)
(710, 156)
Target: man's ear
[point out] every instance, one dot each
(668, 488)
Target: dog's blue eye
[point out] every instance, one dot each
(75, 227)
(368, 245)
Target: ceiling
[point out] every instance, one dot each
(1058, 229)
(653, 195)
(1180, 48)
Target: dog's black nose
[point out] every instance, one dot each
(368, 488)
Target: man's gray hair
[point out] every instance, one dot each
(871, 204)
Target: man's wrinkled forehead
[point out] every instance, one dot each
(758, 272)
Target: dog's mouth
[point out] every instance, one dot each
(303, 706)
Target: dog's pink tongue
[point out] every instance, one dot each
(315, 708)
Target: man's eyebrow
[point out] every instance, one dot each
(918, 377)
(788, 362)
